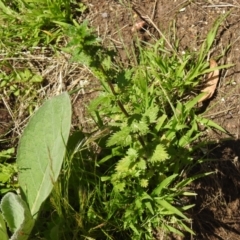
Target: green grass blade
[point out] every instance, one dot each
(172, 229)
(185, 182)
(163, 184)
(210, 123)
(171, 208)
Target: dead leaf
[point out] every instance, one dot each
(138, 26)
(211, 82)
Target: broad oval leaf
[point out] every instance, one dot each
(41, 150)
(17, 215)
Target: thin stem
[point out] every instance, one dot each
(118, 101)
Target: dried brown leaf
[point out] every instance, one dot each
(138, 26)
(211, 82)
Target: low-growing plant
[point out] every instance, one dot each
(32, 22)
(29, 31)
(19, 82)
(150, 111)
(8, 171)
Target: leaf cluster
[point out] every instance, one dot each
(151, 114)
(32, 22)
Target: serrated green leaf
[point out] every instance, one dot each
(41, 150)
(123, 78)
(6, 154)
(139, 127)
(120, 138)
(4, 177)
(141, 164)
(123, 165)
(119, 187)
(144, 183)
(152, 114)
(103, 98)
(132, 153)
(17, 215)
(138, 203)
(160, 154)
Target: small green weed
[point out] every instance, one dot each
(19, 82)
(7, 171)
(32, 22)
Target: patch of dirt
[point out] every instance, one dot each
(216, 215)
(89, 91)
(5, 119)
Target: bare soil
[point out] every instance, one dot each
(216, 215)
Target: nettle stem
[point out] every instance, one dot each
(140, 139)
(118, 101)
(109, 82)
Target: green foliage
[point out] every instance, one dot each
(49, 128)
(85, 48)
(8, 171)
(152, 119)
(39, 159)
(3, 229)
(21, 83)
(6, 154)
(32, 22)
(147, 129)
(17, 216)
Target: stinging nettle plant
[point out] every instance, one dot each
(151, 115)
(40, 155)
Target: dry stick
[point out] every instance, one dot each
(149, 20)
(238, 130)
(11, 114)
(182, 4)
(221, 5)
(223, 111)
(160, 33)
(154, 9)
